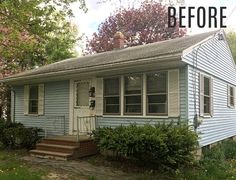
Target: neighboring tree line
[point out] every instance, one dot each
(232, 43)
(143, 25)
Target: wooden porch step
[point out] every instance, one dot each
(51, 155)
(60, 142)
(65, 147)
(57, 148)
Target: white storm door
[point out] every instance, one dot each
(81, 102)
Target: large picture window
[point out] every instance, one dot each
(33, 99)
(157, 94)
(133, 94)
(112, 96)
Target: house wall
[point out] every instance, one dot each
(214, 59)
(113, 121)
(56, 106)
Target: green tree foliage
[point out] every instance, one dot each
(34, 32)
(231, 36)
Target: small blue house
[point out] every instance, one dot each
(189, 79)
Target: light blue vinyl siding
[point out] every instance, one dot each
(214, 60)
(56, 104)
(116, 121)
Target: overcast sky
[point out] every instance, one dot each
(98, 12)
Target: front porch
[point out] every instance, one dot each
(65, 147)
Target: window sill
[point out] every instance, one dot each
(136, 116)
(207, 116)
(33, 115)
(231, 107)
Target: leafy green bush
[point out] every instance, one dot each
(15, 135)
(217, 162)
(223, 151)
(229, 148)
(165, 145)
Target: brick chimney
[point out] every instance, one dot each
(118, 40)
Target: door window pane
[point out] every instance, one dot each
(82, 94)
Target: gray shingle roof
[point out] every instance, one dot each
(158, 49)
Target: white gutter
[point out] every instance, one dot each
(159, 59)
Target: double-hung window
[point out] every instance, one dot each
(157, 94)
(231, 96)
(33, 99)
(207, 96)
(133, 95)
(112, 96)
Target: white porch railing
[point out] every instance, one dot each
(54, 125)
(85, 125)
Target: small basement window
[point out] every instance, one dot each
(33, 99)
(112, 96)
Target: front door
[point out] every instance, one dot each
(81, 102)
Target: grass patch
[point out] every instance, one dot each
(12, 168)
(218, 162)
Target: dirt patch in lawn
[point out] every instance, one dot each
(79, 168)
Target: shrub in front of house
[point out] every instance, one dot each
(223, 151)
(164, 145)
(15, 135)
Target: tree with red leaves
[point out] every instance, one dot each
(143, 25)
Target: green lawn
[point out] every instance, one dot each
(217, 164)
(12, 168)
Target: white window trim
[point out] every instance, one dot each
(104, 113)
(27, 100)
(144, 99)
(203, 114)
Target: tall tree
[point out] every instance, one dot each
(28, 28)
(231, 36)
(142, 25)
(33, 33)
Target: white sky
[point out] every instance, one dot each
(98, 12)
